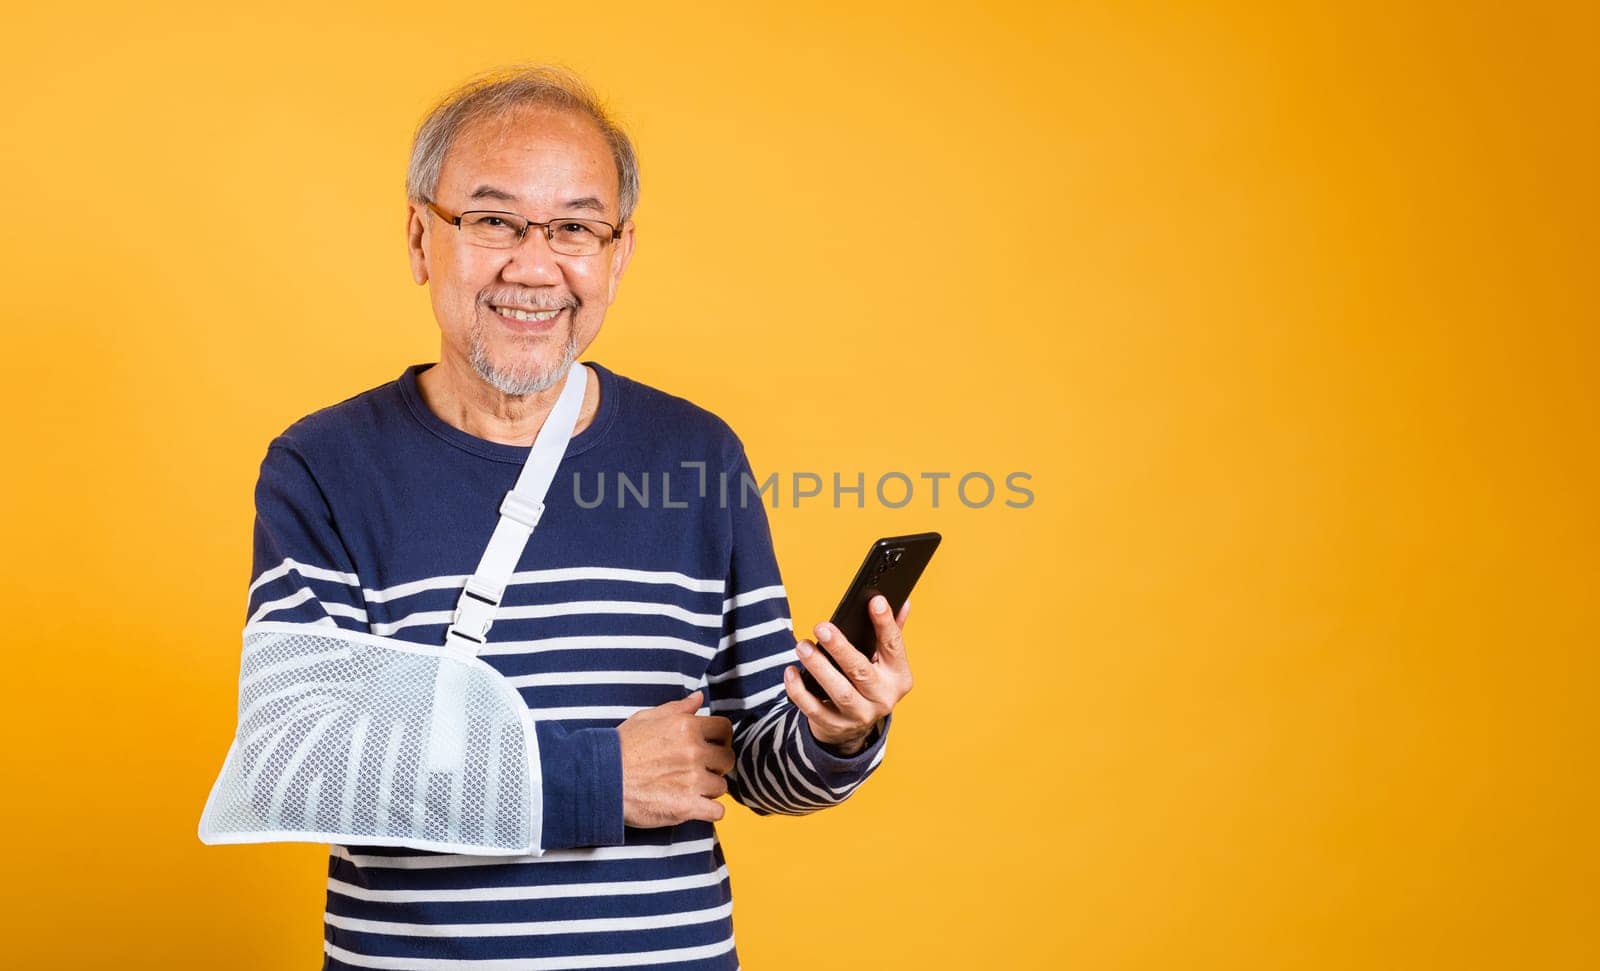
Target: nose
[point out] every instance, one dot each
(532, 261)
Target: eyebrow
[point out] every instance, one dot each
(501, 195)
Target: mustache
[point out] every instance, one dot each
(525, 301)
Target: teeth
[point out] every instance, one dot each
(515, 314)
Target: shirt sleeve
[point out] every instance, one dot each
(779, 766)
(303, 573)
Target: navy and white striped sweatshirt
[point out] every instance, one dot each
(373, 512)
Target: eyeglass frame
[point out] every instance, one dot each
(544, 227)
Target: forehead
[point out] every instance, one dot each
(534, 158)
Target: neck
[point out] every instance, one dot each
(453, 390)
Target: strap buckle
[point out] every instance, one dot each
(474, 613)
(522, 509)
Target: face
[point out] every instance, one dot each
(542, 164)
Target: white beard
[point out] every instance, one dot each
(524, 377)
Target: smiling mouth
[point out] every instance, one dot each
(534, 316)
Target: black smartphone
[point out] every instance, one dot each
(891, 568)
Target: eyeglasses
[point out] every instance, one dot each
(504, 230)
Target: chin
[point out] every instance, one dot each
(525, 367)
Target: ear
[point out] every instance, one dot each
(621, 254)
(417, 241)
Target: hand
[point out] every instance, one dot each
(865, 692)
(673, 763)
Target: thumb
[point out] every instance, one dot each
(691, 703)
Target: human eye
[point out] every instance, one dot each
(491, 228)
(487, 220)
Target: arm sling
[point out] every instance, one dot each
(346, 737)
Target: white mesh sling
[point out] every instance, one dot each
(347, 737)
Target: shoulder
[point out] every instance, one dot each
(672, 419)
(337, 433)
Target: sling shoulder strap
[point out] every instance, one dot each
(519, 514)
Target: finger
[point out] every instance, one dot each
(842, 688)
(855, 664)
(713, 785)
(890, 644)
(905, 612)
(716, 755)
(719, 760)
(691, 703)
(705, 809)
(809, 704)
(715, 728)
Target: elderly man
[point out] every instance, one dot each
(651, 640)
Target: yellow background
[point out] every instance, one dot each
(1291, 663)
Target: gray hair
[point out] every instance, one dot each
(496, 95)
